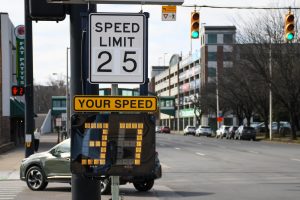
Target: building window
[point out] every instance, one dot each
(228, 38)
(227, 56)
(56, 103)
(63, 103)
(212, 56)
(212, 38)
(211, 72)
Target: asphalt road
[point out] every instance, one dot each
(197, 168)
(219, 169)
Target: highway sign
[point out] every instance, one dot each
(117, 47)
(153, 2)
(115, 103)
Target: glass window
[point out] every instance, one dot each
(228, 38)
(101, 92)
(56, 103)
(212, 56)
(227, 56)
(126, 93)
(63, 103)
(211, 72)
(212, 38)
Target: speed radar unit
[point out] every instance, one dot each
(114, 144)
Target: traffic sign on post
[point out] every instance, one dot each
(115, 103)
(117, 47)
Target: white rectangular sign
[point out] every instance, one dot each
(153, 2)
(117, 47)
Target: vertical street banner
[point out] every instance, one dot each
(20, 54)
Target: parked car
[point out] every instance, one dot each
(157, 129)
(231, 132)
(165, 129)
(245, 132)
(189, 130)
(282, 125)
(222, 131)
(54, 166)
(204, 130)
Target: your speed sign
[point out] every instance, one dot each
(117, 47)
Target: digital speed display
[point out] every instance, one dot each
(115, 144)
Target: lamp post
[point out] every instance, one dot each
(270, 90)
(68, 97)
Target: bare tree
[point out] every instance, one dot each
(267, 35)
(43, 94)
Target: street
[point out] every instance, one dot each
(196, 168)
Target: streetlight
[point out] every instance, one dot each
(68, 97)
(270, 90)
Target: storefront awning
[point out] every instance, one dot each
(17, 108)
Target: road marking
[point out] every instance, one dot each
(199, 143)
(177, 148)
(253, 152)
(295, 159)
(200, 154)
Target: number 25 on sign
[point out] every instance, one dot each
(117, 43)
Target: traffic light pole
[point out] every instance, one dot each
(29, 115)
(83, 188)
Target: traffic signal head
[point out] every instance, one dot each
(17, 90)
(289, 27)
(195, 18)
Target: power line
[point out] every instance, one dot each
(242, 7)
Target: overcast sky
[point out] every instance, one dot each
(50, 39)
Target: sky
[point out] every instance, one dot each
(51, 39)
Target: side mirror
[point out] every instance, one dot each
(56, 153)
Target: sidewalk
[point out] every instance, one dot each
(10, 161)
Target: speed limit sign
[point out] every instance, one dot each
(117, 47)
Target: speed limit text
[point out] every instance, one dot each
(117, 27)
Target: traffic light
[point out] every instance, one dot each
(17, 90)
(289, 28)
(195, 17)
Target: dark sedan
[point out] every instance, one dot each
(245, 132)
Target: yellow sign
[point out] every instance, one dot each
(168, 9)
(115, 103)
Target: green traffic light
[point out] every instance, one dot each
(195, 34)
(289, 36)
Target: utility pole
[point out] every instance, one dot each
(29, 115)
(83, 188)
(270, 90)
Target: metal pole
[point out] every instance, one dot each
(29, 114)
(68, 97)
(83, 188)
(217, 97)
(115, 180)
(270, 90)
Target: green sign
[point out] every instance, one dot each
(20, 51)
(187, 112)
